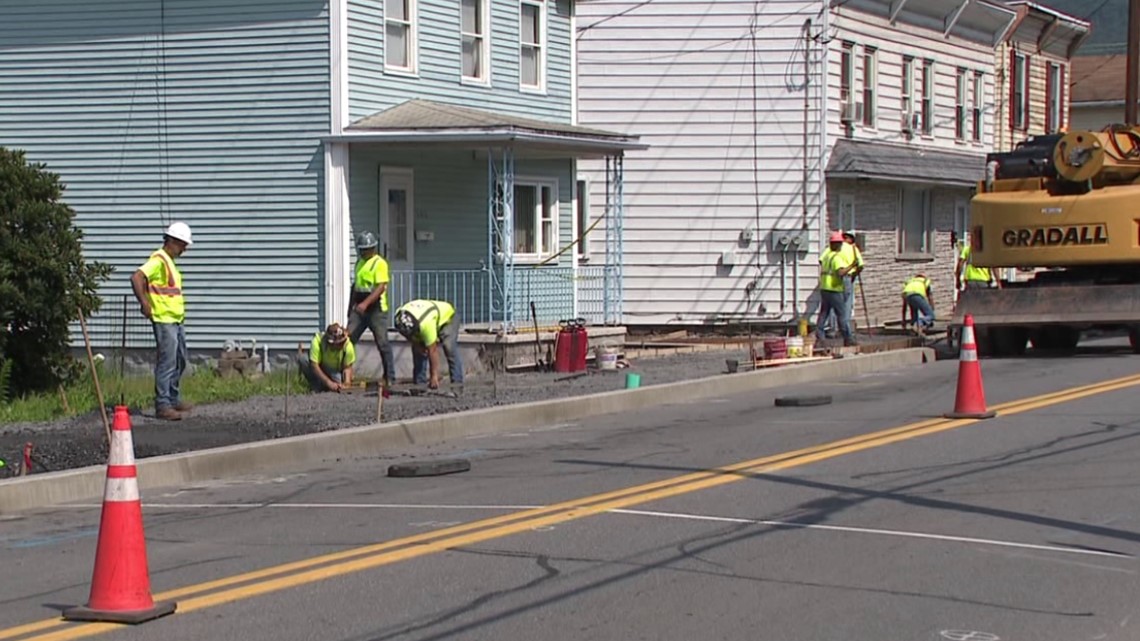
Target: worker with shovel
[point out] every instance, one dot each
(856, 259)
(330, 361)
(430, 325)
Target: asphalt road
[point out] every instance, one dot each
(1026, 526)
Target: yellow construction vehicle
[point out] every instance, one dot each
(1069, 205)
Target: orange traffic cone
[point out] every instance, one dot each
(120, 589)
(971, 399)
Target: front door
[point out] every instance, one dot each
(397, 218)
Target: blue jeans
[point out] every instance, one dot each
(310, 374)
(449, 343)
(920, 310)
(169, 364)
(832, 303)
(849, 300)
(378, 322)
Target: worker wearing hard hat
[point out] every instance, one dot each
(369, 307)
(157, 285)
(967, 274)
(918, 297)
(834, 265)
(430, 325)
(330, 361)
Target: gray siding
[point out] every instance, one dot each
(235, 153)
(372, 90)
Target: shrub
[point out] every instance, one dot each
(45, 282)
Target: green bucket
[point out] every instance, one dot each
(632, 381)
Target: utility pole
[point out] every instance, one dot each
(1130, 90)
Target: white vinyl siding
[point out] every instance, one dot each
(400, 36)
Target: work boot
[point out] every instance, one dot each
(184, 407)
(168, 414)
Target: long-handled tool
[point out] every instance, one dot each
(538, 362)
(863, 295)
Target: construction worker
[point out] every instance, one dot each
(918, 297)
(157, 285)
(330, 360)
(856, 258)
(968, 275)
(430, 325)
(370, 301)
(834, 265)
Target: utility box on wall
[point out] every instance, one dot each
(791, 240)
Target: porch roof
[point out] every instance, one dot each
(902, 163)
(425, 122)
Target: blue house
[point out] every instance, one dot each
(278, 129)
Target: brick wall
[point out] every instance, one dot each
(876, 209)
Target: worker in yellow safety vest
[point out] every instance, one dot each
(834, 264)
(918, 297)
(369, 309)
(157, 285)
(430, 325)
(857, 264)
(330, 360)
(968, 275)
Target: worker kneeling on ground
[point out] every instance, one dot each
(430, 325)
(918, 297)
(330, 361)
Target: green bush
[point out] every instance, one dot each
(45, 282)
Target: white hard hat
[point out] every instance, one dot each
(180, 231)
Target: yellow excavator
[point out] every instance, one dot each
(1068, 205)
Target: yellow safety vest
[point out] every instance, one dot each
(370, 274)
(164, 288)
(972, 273)
(829, 265)
(431, 315)
(916, 285)
(329, 356)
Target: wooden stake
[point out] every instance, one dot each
(95, 376)
(379, 401)
(288, 384)
(63, 400)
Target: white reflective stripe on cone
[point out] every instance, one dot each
(968, 356)
(967, 335)
(122, 448)
(121, 490)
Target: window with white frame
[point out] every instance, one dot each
(978, 99)
(870, 85)
(400, 35)
(535, 218)
(845, 216)
(960, 105)
(582, 213)
(927, 97)
(908, 109)
(1019, 91)
(961, 217)
(532, 44)
(846, 74)
(914, 221)
(1055, 103)
(473, 21)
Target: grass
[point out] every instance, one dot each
(201, 388)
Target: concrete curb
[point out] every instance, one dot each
(276, 455)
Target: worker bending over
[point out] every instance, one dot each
(918, 297)
(430, 325)
(330, 361)
(834, 265)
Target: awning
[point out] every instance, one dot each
(901, 163)
(428, 123)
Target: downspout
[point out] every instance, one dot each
(823, 62)
(807, 108)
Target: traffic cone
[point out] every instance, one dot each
(120, 589)
(970, 401)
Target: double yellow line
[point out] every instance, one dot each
(319, 568)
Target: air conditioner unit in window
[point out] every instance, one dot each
(851, 112)
(911, 122)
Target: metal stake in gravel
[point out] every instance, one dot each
(95, 375)
(288, 384)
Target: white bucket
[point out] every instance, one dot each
(605, 357)
(795, 346)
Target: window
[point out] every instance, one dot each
(927, 97)
(1055, 98)
(535, 218)
(400, 35)
(908, 94)
(845, 219)
(961, 217)
(473, 34)
(960, 106)
(914, 222)
(846, 73)
(583, 215)
(870, 85)
(978, 100)
(532, 44)
(1019, 91)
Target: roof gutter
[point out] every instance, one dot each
(911, 180)
(485, 136)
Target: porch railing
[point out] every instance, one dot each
(467, 289)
